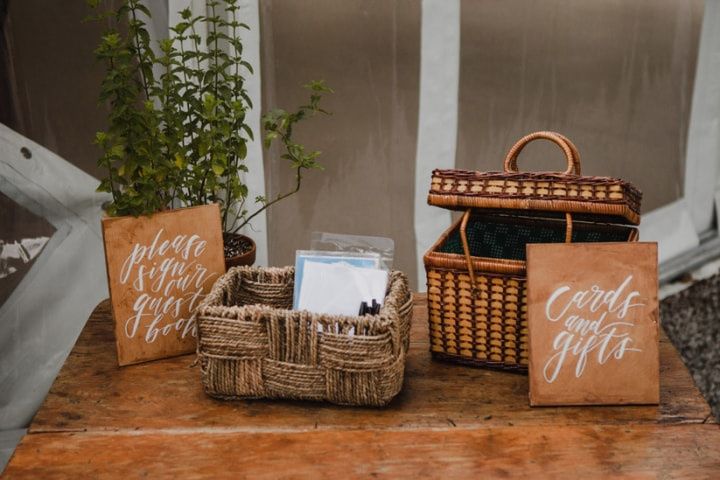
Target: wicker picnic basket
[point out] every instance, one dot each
(476, 270)
(252, 345)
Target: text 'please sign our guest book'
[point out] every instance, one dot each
(593, 321)
(159, 269)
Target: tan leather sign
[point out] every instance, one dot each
(593, 320)
(159, 269)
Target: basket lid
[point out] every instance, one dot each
(615, 200)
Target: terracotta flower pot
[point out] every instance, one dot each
(244, 259)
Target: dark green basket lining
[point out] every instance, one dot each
(505, 237)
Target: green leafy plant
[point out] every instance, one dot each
(177, 134)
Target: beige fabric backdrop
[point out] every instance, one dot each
(55, 79)
(615, 77)
(368, 51)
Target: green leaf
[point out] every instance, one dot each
(117, 150)
(242, 150)
(269, 137)
(142, 8)
(180, 161)
(318, 86)
(218, 168)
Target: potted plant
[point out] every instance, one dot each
(173, 153)
(177, 134)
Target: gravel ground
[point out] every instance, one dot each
(691, 319)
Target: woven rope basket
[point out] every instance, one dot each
(251, 345)
(476, 270)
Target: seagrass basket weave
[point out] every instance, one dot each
(252, 345)
(476, 270)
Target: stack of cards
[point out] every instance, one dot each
(336, 283)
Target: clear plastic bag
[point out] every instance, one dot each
(336, 242)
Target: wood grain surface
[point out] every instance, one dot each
(154, 419)
(91, 393)
(587, 452)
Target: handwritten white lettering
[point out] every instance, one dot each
(596, 337)
(170, 281)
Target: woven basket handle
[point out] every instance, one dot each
(571, 153)
(466, 248)
(466, 245)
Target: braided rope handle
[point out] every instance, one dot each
(571, 152)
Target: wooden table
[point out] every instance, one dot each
(450, 421)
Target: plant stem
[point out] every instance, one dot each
(133, 7)
(200, 195)
(192, 121)
(215, 81)
(231, 164)
(109, 161)
(298, 180)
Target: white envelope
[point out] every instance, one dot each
(340, 288)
